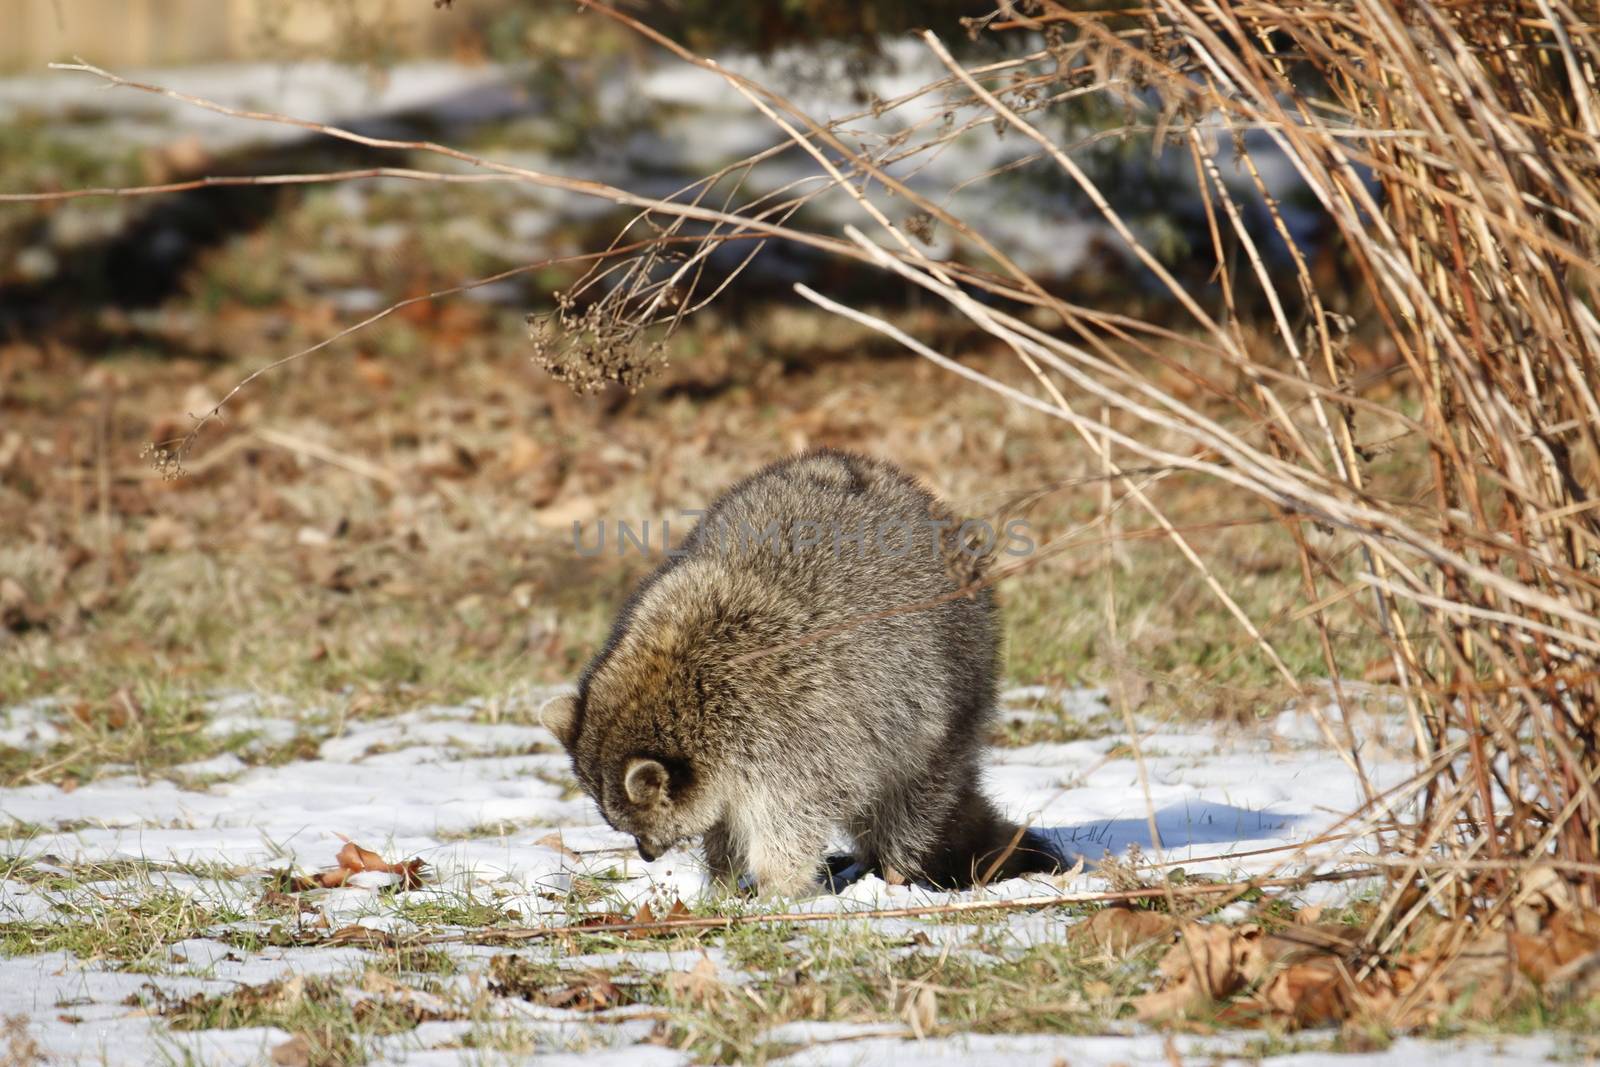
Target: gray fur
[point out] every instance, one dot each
(877, 728)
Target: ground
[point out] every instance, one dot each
(162, 920)
(339, 617)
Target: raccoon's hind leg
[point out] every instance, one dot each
(941, 830)
(895, 836)
(978, 844)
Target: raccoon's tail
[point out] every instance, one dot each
(979, 846)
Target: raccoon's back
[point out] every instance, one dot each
(843, 532)
(870, 614)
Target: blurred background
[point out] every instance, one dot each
(392, 515)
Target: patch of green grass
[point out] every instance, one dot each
(21, 829)
(146, 728)
(1578, 1018)
(481, 830)
(133, 934)
(409, 960)
(856, 973)
(1013, 731)
(334, 1026)
(453, 909)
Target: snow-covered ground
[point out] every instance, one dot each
(486, 801)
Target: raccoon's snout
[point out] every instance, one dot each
(646, 852)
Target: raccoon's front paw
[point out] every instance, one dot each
(740, 885)
(793, 884)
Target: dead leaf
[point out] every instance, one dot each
(333, 573)
(1381, 671)
(122, 709)
(562, 516)
(1576, 980)
(272, 899)
(284, 994)
(645, 916)
(356, 934)
(18, 612)
(1119, 930)
(1321, 992)
(295, 1052)
(182, 158)
(163, 533)
(1567, 936)
(353, 859)
(699, 985)
(372, 372)
(920, 1009)
(595, 992)
(1209, 963)
(377, 982)
(554, 843)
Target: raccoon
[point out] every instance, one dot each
(817, 657)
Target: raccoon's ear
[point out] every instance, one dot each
(645, 780)
(560, 715)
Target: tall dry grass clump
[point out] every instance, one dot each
(1471, 208)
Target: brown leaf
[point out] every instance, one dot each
(1119, 930)
(123, 708)
(1578, 979)
(18, 612)
(295, 1052)
(1321, 992)
(920, 1009)
(699, 985)
(356, 934)
(372, 372)
(1575, 934)
(553, 842)
(163, 533)
(595, 992)
(353, 859)
(1209, 963)
(332, 878)
(333, 573)
(1543, 895)
(577, 509)
(275, 900)
(1478, 981)
(1381, 671)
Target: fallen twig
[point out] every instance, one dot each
(960, 907)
